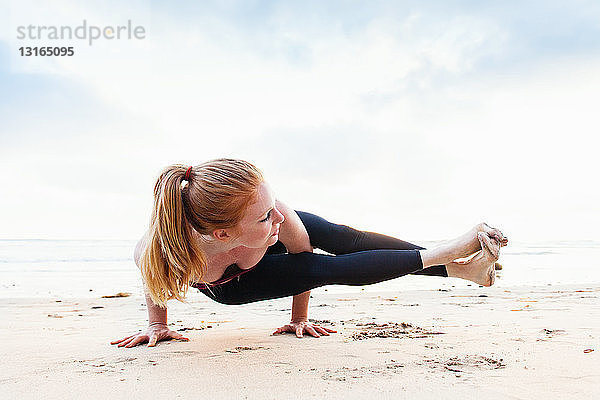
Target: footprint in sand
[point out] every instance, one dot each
(468, 363)
(346, 373)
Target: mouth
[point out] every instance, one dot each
(276, 232)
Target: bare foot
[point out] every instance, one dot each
(481, 268)
(463, 246)
(497, 265)
(494, 233)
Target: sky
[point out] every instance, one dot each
(414, 119)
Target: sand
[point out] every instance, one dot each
(468, 343)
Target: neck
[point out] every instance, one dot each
(212, 246)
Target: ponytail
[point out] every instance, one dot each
(171, 259)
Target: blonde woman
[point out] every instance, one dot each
(218, 227)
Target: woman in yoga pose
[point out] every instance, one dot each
(218, 227)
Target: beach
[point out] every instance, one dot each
(208, 131)
(524, 342)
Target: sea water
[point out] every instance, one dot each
(94, 268)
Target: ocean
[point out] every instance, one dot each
(94, 268)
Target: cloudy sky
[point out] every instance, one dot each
(415, 119)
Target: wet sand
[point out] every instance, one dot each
(494, 343)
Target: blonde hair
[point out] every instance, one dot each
(215, 197)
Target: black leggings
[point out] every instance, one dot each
(361, 258)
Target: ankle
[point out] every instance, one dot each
(455, 270)
(439, 256)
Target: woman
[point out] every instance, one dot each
(218, 227)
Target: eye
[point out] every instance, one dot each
(268, 216)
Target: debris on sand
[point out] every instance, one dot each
(239, 349)
(390, 330)
(320, 321)
(120, 294)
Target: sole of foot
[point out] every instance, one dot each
(490, 250)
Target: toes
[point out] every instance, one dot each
(494, 232)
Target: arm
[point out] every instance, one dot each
(157, 316)
(292, 233)
(294, 236)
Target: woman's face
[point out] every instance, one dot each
(260, 225)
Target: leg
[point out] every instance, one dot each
(341, 239)
(282, 275)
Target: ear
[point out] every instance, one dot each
(221, 234)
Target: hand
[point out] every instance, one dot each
(304, 326)
(155, 333)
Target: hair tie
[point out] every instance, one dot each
(187, 174)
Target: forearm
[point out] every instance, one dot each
(300, 307)
(155, 313)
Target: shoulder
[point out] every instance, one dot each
(139, 249)
(284, 208)
(293, 233)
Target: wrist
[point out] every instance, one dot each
(154, 323)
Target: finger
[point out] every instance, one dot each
(120, 340)
(137, 340)
(286, 328)
(179, 336)
(132, 342)
(299, 330)
(278, 330)
(282, 329)
(330, 330)
(126, 342)
(321, 330)
(312, 331)
(152, 341)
